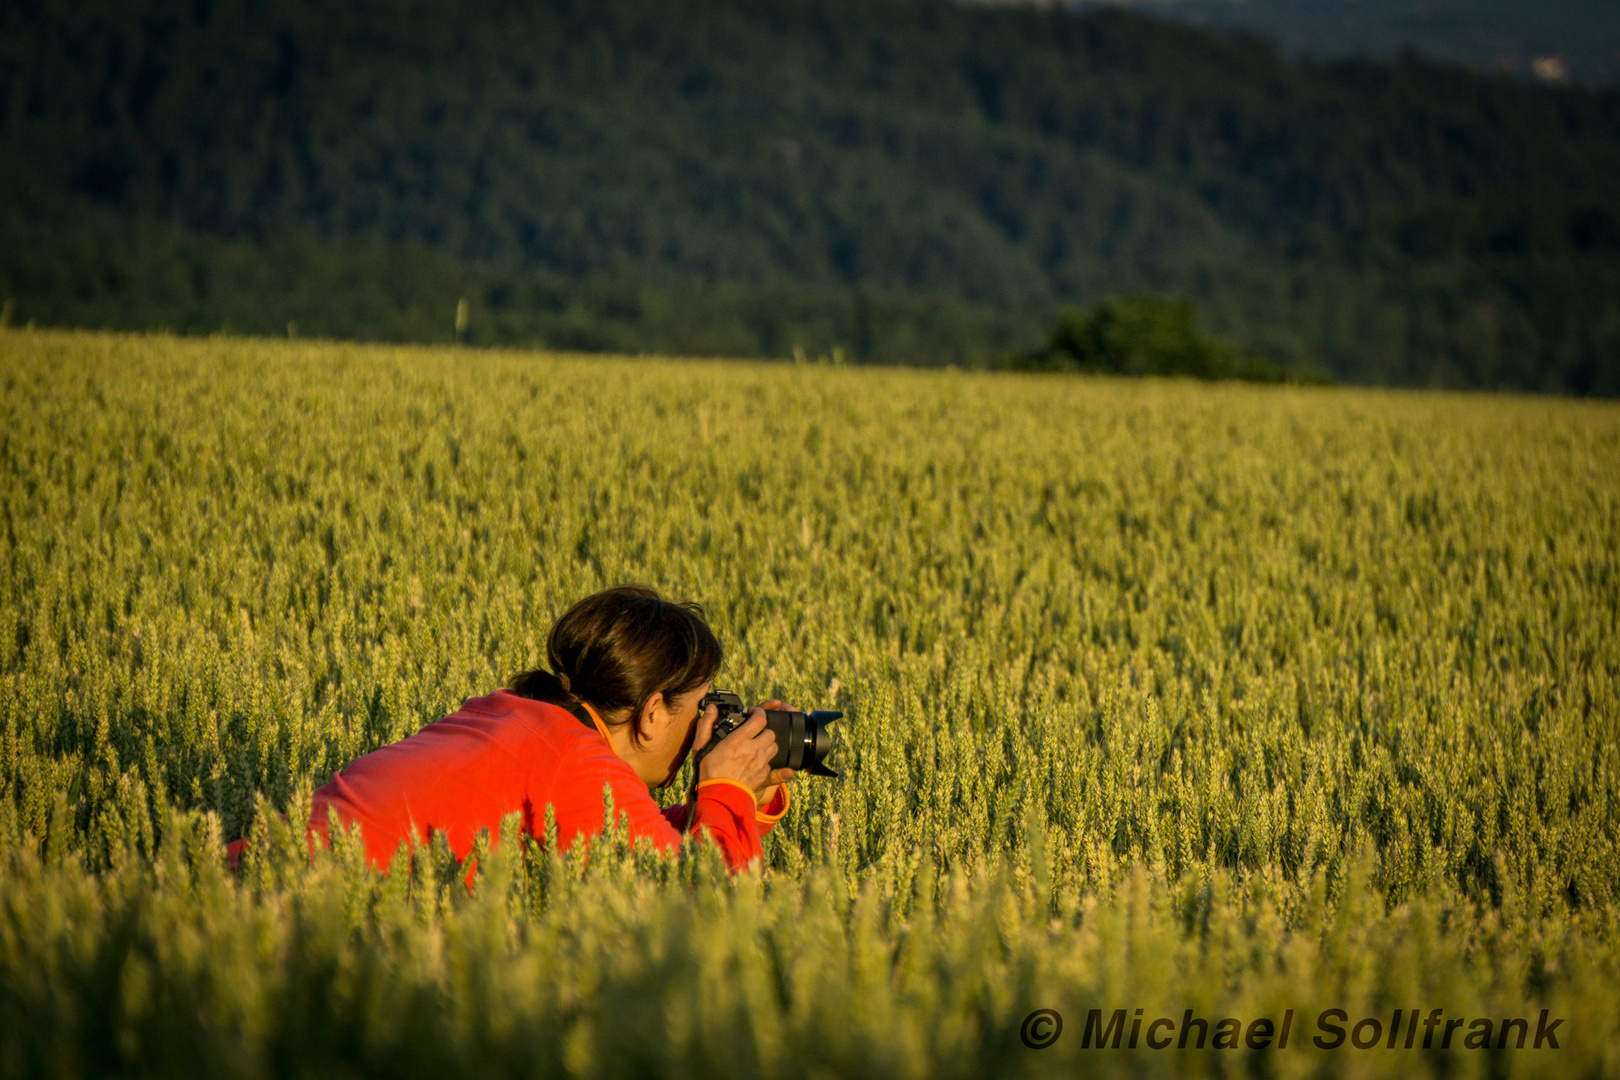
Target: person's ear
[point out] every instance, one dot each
(654, 714)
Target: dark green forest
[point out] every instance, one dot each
(1491, 35)
(910, 181)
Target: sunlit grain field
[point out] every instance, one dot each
(1160, 696)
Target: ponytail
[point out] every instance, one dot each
(544, 686)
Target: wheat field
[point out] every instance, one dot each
(1180, 699)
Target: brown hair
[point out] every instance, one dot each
(617, 648)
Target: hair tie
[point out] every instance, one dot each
(564, 680)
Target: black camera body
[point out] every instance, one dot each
(802, 739)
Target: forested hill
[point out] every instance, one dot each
(912, 181)
(1574, 39)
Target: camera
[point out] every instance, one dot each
(802, 739)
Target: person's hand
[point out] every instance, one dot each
(705, 728)
(744, 755)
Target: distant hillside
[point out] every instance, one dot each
(1574, 39)
(912, 181)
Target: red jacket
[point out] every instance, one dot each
(505, 753)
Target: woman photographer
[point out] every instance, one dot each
(620, 707)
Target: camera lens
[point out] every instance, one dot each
(802, 739)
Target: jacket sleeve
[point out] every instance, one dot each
(723, 810)
(765, 817)
(768, 815)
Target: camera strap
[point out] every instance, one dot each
(578, 713)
